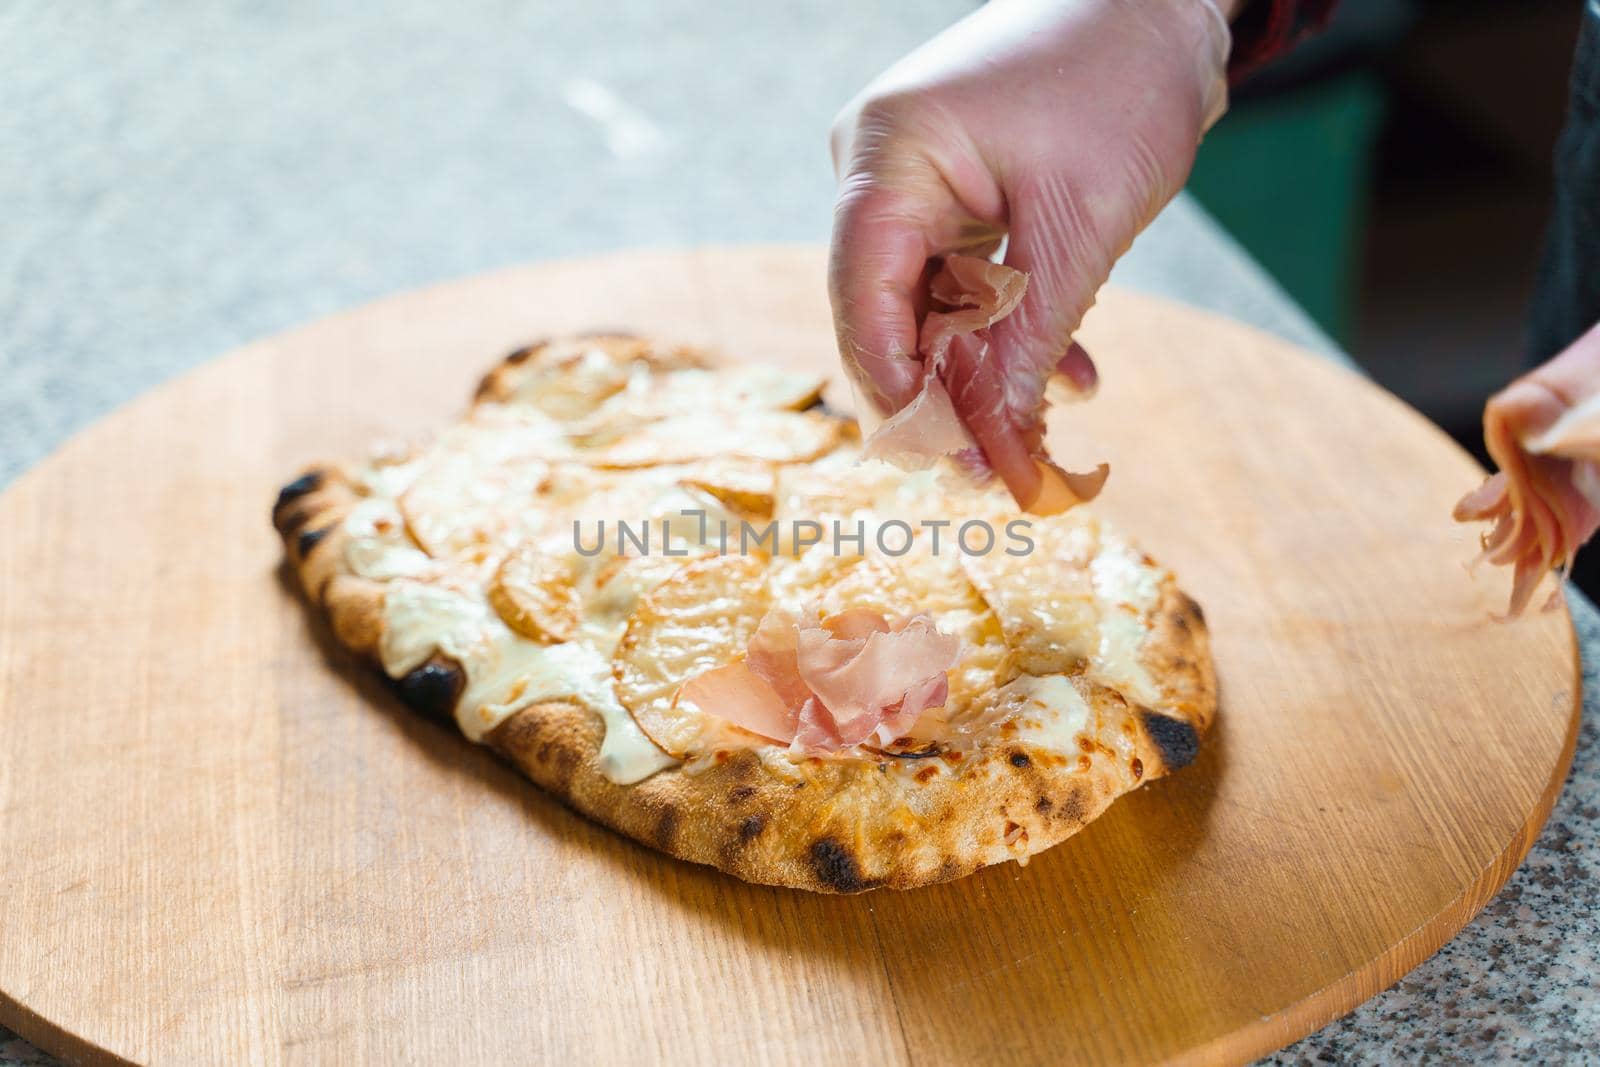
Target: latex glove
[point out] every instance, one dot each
(1543, 432)
(1064, 125)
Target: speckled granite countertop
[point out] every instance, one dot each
(178, 180)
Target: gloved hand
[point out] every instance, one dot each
(1063, 125)
(1543, 432)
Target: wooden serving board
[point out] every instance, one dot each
(223, 842)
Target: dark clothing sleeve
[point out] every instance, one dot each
(1567, 301)
(1266, 29)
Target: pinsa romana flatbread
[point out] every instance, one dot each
(672, 594)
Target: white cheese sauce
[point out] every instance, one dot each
(1126, 589)
(378, 547)
(1048, 710)
(505, 672)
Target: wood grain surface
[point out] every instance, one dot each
(223, 842)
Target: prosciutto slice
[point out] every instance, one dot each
(824, 685)
(964, 385)
(737, 693)
(1544, 502)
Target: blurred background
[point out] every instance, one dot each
(1393, 174)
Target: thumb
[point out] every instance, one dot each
(876, 280)
(1556, 407)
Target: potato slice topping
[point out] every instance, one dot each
(700, 618)
(743, 486)
(749, 387)
(773, 436)
(536, 593)
(1051, 627)
(570, 378)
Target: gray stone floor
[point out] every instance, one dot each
(177, 179)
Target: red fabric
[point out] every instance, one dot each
(1268, 28)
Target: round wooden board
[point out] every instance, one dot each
(224, 842)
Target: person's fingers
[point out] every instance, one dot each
(875, 276)
(896, 210)
(1039, 486)
(1573, 373)
(1555, 408)
(1522, 411)
(1054, 241)
(1025, 349)
(1011, 454)
(1079, 370)
(877, 260)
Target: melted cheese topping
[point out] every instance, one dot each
(435, 526)
(377, 547)
(1127, 587)
(506, 673)
(1048, 711)
(435, 604)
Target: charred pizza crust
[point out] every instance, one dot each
(829, 825)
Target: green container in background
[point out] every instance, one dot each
(1288, 175)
